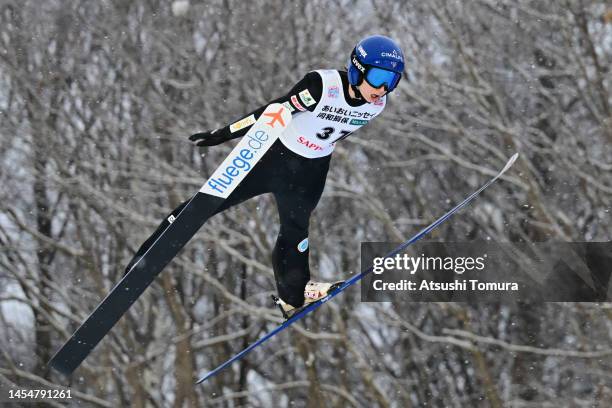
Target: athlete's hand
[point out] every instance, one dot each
(211, 138)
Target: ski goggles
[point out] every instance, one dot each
(378, 77)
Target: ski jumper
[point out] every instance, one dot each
(295, 168)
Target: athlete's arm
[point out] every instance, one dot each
(305, 95)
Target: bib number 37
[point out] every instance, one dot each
(326, 132)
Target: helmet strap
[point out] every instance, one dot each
(358, 94)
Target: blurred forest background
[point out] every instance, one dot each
(97, 99)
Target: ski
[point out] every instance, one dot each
(313, 306)
(264, 132)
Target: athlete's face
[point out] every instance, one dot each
(371, 94)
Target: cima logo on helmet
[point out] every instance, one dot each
(392, 54)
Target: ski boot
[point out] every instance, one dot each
(313, 292)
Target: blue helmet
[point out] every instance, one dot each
(378, 60)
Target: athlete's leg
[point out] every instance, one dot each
(295, 202)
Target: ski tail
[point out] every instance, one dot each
(313, 306)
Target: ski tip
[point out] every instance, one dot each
(209, 374)
(202, 379)
(510, 162)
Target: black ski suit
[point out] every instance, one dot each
(296, 182)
